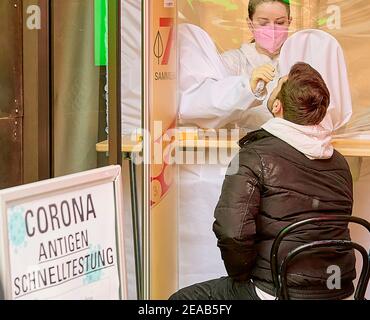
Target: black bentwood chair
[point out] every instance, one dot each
(279, 273)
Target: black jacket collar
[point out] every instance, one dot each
(254, 136)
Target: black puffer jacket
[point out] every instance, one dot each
(274, 186)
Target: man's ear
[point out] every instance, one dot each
(277, 108)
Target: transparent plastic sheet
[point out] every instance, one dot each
(131, 65)
(131, 116)
(348, 21)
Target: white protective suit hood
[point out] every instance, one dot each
(195, 42)
(322, 52)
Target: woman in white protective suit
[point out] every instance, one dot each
(218, 91)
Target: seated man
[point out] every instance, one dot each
(286, 172)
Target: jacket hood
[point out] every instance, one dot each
(315, 142)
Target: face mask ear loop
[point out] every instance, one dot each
(249, 21)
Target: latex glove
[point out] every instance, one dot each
(265, 73)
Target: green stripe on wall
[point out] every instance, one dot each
(100, 32)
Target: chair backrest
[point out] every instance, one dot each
(279, 273)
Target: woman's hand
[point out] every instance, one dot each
(265, 73)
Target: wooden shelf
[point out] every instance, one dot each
(126, 146)
(352, 147)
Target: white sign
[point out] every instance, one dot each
(61, 238)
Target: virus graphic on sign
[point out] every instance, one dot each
(93, 273)
(17, 227)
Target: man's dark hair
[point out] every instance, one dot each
(253, 4)
(305, 96)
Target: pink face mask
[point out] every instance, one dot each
(271, 39)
